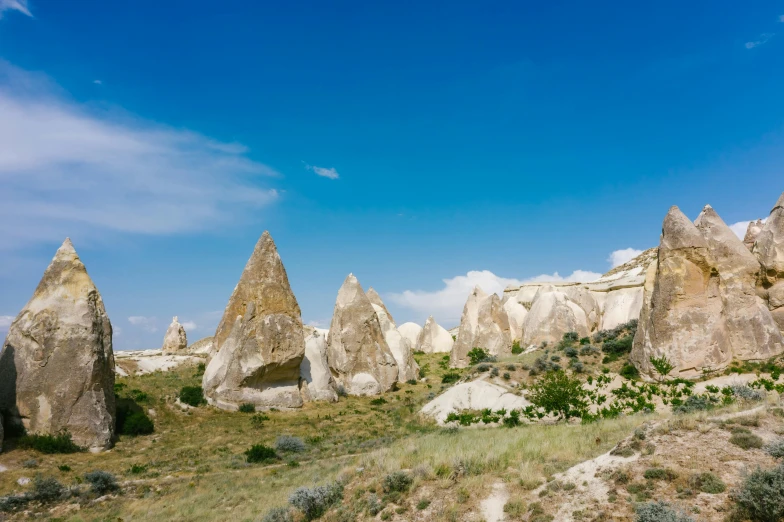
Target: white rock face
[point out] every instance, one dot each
(769, 250)
(401, 349)
(475, 395)
(260, 340)
(358, 354)
(485, 325)
(175, 340)
(516, 314)
(434, 338)
(57, 364)
(201, 347)
(753, 230)
(411, 332)
(143, 362)
(314, 369)
(551, 316)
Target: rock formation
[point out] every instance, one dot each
(314, 370)
(259, 342)
(201, 347)
(358, 354)
(702, 311)
(411, 332)
(753, 230)
(484, 324)
(1, 432)
(551, 316)
(769, 250)
(434, 338)
(57, 364)
(400, 347)
(516, 314)
(475, 395)
(175, 340)
(375, 300)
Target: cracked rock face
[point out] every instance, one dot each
(552, 315)
(259, 343)
(769, 250)
(359, 357)
(434, 338)
(401, 348)
(314, 370)
(484, 324)
(57, 364)
(175, 340)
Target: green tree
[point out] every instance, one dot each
(662, 365)
(559, 394)
(478, 355)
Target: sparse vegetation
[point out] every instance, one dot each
(101, 482)
(660, 512)
(746, 440)
(314, 502)
(559, 394)
(247, 408)
(50, 444)
(478, 355)
(192, 396)
(259, 453)
(289, 444)
(761, 496)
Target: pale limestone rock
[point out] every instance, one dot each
(475, 395)
(752, 231)
(375, 299)
(516, 313)
(143, 362)
(434, 338)
(260, 339)
(201, 347)
(57, 364)
(401, 349)
(769, 250)
(358, 354)
(484, 324)
(552, 315)
(585, 299)
(175, 340)
(314, 369)
(411, 331)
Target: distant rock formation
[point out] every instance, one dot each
(434, 338)
(358, 354)
(314, 370)
(260, 339)
(202, 346)
(375, 300)
(769, 250)
(400, 347)
(703, 311)
(551, 316)
(753, 230)
(474, 395)
(411, 332)
(175, 340)
(57, 364)
(516, 314)
(484, 324)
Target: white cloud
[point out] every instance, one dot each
(14, 5)
(116, 331)
(97, 82)
(318, 323)
(619, 257)
(763, 38)
(781, 18)
(447, 304)
(68, 170)
(5, 322)
(148, 324)
(189, 325)
(330, 173)
(741, 226)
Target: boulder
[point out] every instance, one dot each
(259, 342)
(434, 338)
(752, 231)
(769, 250)
(314, 369)
(516, 314)
(411, 332)
(552, 315)
(358, 354)
(400, 347)
(57, 364)
(484, 324)
(175, 340)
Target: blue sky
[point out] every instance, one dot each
(425, 148)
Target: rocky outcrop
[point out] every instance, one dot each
(201, 347)
(143, 362)
(752, 231)
(516, 313)
(314, 370)
(375, 300)
(552, 315)
(260, 339)
(57, 364)
(358, 354)
(434, 338)
(400, 347)
(175, 340)
(475, 395)
(769, 250)
(702, 311)
(484, 324)
(411, 331)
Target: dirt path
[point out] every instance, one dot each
(493, 506)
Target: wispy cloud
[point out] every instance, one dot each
(148, 324)
(14, 5)
(189, 326)
(67, 169)
(763, 38)
(97, 82)
(781, 18)
(5, 322)
(330, 173)
(741, 226)
(619, 257)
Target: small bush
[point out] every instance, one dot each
(314, 502)
(695, 403)
(29, 464)
(761, 496)
(46, 489)
(483, 368)
(422, 504)
(660, 512)
(411, 382)
(707, 483)
(289, 444)
(775, 449)
(378, 402)
(397, 481)
(571, 337)
(630, 371)
(494, 372)
(589, 350)
(247, 408)
(570, 351)
(101, 482)
(506, 376)
(660, 474)
(516, 348)
(50, 444)
(450, 377)
(260, 453)
(137, 423)
(515, 508)
(477, 355)
(746, 440)
(137, 469)
(560, 394)
(257, 421)
(278, 514)
(192, 396)
(746, 393)
(65, 468)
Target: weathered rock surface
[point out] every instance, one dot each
(475, 395)
(484, 324)
(201, 347)
(314, 369)
(551, 316)
(1, 432)
(260, 339)
(376, 300)
(400, 347)
(175, 340)
(516, 314)
(703, 312)
(358, 354)
(769, 250)
(752, 231)
(143, 362)
(434, 338)
(411, 331)
(57, 365)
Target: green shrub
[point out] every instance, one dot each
(101, 482)
(516, 348)
(314, 502)
(559, 394)
(137, 423)
(260, 453)
(411, 382)
(659, 512)
(65, 468)
(50, 444)
(775, 449)
(630, 371)
(450, 377)
(515, 508)
(660, 474)
(397, 481)
(289, 444)
(278, 514)
(477, 355)
(46, 489)
(137, 469)
(423, 504)
(30, 463)
(694, 403)
(247, 408)
(257, 421)
(192, 396)
(707, 482)
(571, 337)
(746, 440)
(138, 395)
(506, 376)
(761, 496)
(662, 365)
(378, 402)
